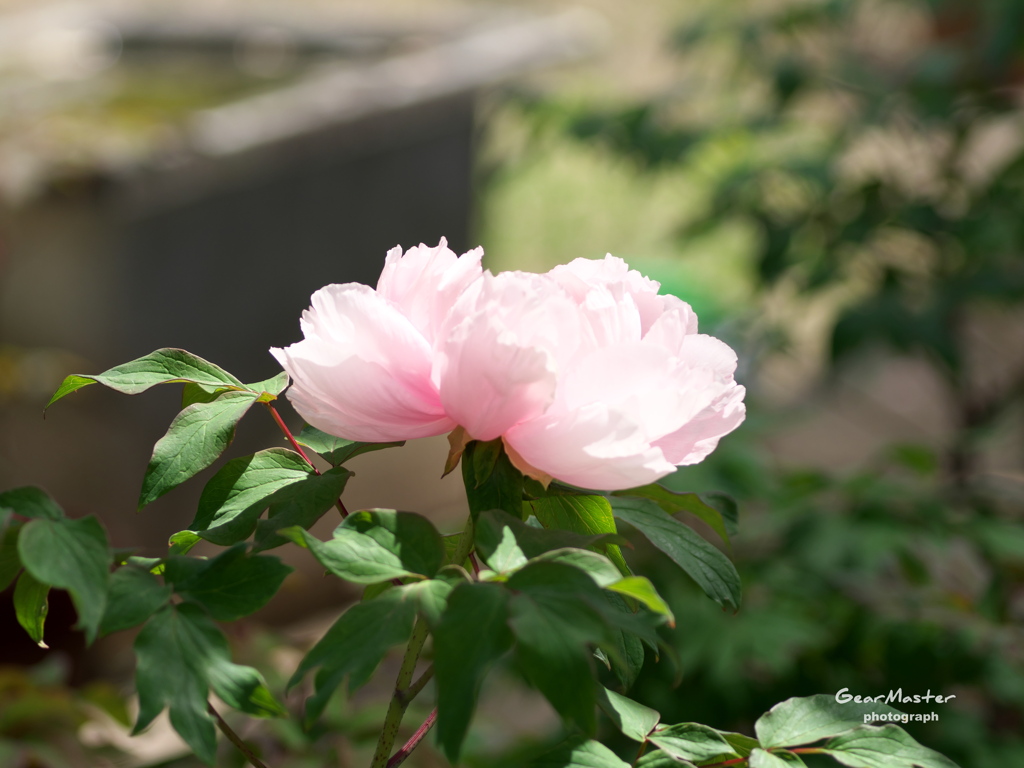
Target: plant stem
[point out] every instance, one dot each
(396, 710)
(643, 748)
(734, 761)
(465, 546)
(738, 760)
(298, 449)
(413, 690)
(234, 738)
(414, 742)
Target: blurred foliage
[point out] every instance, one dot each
(873, 147)
(41, 719)
(872, 582)
(876, 152)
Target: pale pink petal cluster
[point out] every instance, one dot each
(587, 373)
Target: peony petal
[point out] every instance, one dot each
(363, 371)
(425, 283)
(498, 365)
(592, 447)
(580, 276)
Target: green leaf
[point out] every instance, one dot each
(640, 589)
(72, 555)
(355, 645)
(181, 543)
(658, 759)
(693, 742)
(240, 491)
(626, 652)
(337, 450)
(351, 555)
(888, 746)
(590, 515)
(759, 758)
(674, 503)
(556, 615)
(804, 720)
(198, 393)
(489, 533)
(181, 654)
(490, 479)
(579, 753)
(301, 506)
(160, 367)
(472, 635)
(431, 597)
(506, 556)
(631, 718)
(29, 501)
(135, 595)
(597, 566)
(231, 585)
(196, 438)
(410, 536)
(706, 565)
(741, 744)
(273, 386)
(10, 563)
(31, 605)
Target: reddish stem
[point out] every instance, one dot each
(298, 449)
(400, 756)
(474, 563)
(737, 760)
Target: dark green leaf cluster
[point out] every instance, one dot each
(537, 578)
(790, 729)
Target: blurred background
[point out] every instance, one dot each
(836, 186)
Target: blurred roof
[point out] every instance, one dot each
(115, 89)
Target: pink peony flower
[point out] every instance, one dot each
(363, 370)
(586, 373)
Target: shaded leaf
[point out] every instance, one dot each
(597, 566)
(490, 526)
(31, 604)
(180, 655)
(490, 479)
(630, 717)
(706, 565)
(473, 634)
(674, 503)
(134, 595)
(355, 645)
(410, 536)
(640, 589)
(29, 501)
(231, 585)
(337, 450)
(72, 555)
(10, 563)
(741, 744)
(579, 753)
